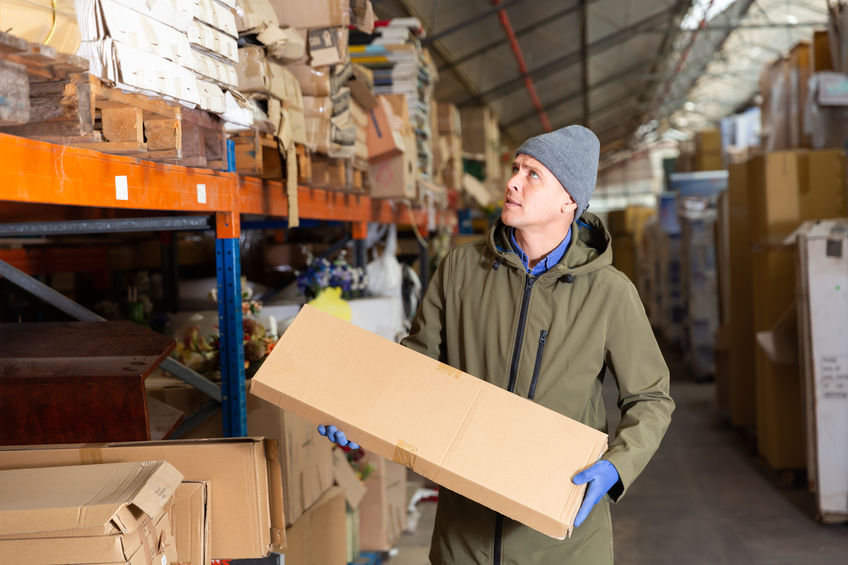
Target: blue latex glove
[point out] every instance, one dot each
(335, 435)
(601, 477)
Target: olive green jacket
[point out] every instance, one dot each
(550, 338)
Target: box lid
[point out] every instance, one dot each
(85, 499)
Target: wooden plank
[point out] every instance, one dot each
(163, 134)
(117, 147)
(122, 124)
(14, 94)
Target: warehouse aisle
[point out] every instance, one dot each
(702, 500)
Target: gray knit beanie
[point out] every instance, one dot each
(571, 154)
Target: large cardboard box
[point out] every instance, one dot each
(780, 423)
(798, 77)
(246, 497)
(382, 512)
(444, 424)
(449, 122)
(774, 196)
(317, 536)
(823, 192)
(87, 514)
(308, 15)
(256, 73)
(384, 138)
(823, 329)
(624, 255)
(743, 408)
(189, 515)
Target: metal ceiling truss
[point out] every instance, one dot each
(567, 61)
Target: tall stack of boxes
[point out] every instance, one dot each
(450, 141)
(481, 147)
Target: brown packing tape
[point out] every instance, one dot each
(406, 454)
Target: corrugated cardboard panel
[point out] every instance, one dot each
(382, 512)
(442, 423)
(244, 473)
(189, 511)
(317, 538)
(83, 501)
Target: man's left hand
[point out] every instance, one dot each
(601, 477)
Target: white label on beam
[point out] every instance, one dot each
(122, 191)
(201, 193)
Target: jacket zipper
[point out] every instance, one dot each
(543, 336)
(513, 373)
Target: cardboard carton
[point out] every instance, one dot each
(314, 81)
(246, 502)
(256, 73)
(308, 15)
(189, 515)
(216, 14)
(255, 16)
(211, 39)
(317, 536)
(440, 422)
(346, 478)
(384, 139)
(396, 177)
(449, 120)
(85, 514)
(382, 512)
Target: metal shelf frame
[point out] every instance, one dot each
(37, 172)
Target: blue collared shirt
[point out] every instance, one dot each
(547, 262)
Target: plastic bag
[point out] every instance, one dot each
(385, 274)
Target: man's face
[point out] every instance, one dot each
(535, 200)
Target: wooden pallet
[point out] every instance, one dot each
(258, 155)
(338, 174)
(70, 107)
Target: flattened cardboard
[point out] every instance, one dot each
(440, 422)
(346, 478)
(148, 542)
(213, 40)
(189, 514)
(90, 500)
(382, 514)
(246, 499)
(317, 536)
(217, 15)
(255, 16)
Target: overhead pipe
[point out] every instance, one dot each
(522, 66)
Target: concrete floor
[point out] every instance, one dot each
(704, 499)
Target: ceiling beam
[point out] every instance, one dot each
(518, 33)
(470, 21)
(638, 69)
(562, 63)
(616, 103)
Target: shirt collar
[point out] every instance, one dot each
(547, 261)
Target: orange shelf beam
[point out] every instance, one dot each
(38, 172)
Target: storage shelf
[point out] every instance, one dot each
(44, 173)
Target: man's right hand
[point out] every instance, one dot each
(335, 435)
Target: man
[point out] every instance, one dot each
(539, 310)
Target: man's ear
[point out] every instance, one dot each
(570, 206)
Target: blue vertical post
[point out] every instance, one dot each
(231, 330)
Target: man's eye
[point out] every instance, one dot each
(534, 174)
(514, 169)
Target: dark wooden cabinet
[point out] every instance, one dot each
(76, 382)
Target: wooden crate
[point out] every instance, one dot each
(338, 174)
(71, 107)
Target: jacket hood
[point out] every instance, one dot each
(590, 248)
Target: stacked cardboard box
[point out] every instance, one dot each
(392, 149)
(245, 504)
(783, 84)
(108, 513)
(784, 189)
(383, 508)
(450, 135)
(627, 230)
(401, 66)
(481, 142)
(708, 150)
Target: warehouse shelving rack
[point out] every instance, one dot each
(37, 172)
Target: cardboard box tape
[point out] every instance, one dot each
(444, 424)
